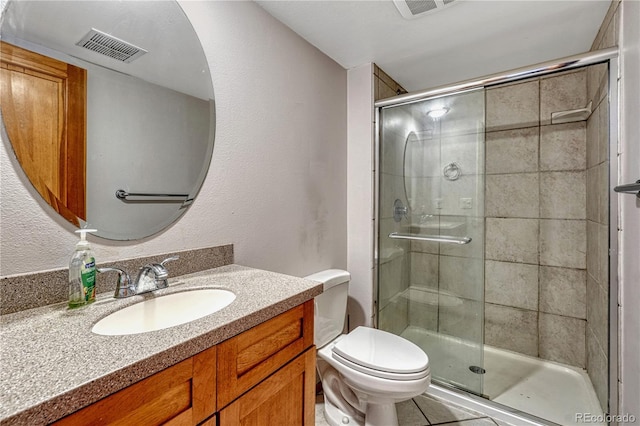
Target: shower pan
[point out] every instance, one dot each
(493, 237)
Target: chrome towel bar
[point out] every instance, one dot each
(629, 188)
(123, 195)
(434, 238)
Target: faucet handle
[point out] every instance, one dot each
(124, 287)
(169, 259)
(161, 272)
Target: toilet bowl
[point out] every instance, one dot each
(366, 372)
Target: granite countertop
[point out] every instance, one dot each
(51, 364)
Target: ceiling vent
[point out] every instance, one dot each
(110, 46)
(410, 9)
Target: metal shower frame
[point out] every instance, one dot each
(609, 56)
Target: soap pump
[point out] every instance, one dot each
(82, 272)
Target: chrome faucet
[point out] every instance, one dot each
(124, 287)
(152, 276)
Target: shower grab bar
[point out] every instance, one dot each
(434, 238)
(123, 195)
(629, 188)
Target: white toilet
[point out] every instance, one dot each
(366, 372)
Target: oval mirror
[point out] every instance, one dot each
(108, 106)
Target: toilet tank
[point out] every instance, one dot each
(331, 305)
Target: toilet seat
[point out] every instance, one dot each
(381, 354)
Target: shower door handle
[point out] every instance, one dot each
(629, 188)
(434, 238)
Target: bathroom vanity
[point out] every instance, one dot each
(251, 361)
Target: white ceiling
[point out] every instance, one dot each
(468, 39)
(175, 58)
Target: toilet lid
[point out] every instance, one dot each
(382, 351)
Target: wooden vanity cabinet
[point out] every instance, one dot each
(284, 398)
(263, 376)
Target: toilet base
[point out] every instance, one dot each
(381, 415)
(335, 417)
(377, 415)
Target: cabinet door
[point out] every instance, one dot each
(286, 398)
(247, 359)
(44, 111)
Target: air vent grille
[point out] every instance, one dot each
(110, 46)
(421, 6)
(414, 8)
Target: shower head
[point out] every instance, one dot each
(437, 112)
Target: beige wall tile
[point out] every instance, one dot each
(384, 91)
(460, 318)
(394, 317)
(461, 277)
(424, 270)
(603, 132)
(595, 74)
(474, 229)
(393, 140)
(563, 147)
(469, 186)
(563, 195)
(598, 369)
(514, 106)
(465, 150)
(425, 247)
(592, 195)
(512, 151)
(593, 136)
(390, 280)
(512, 240)
(563, 291)
(603, 185)
(598, 311)
(513, 195)
(423, 309)
(391, 188)
(511, 284)
(422, 156)
(563, 339)
(562, 93)
(593, 265)
(422, 194)
(511, 328)
(603, 255)
(563, 243)
(611, 12)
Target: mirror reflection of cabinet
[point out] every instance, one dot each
(44, 111)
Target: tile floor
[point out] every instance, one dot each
(424, 410)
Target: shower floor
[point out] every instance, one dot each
(545, 389)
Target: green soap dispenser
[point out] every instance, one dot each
(82, 272)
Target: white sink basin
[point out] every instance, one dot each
(164, 311)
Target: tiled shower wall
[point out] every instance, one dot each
(597, 332)
(535, 278)
(597, 212)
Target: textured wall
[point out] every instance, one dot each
(277, 184)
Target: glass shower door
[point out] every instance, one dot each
(431, 232)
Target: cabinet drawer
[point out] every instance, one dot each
(162, 398)
(247, 359)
